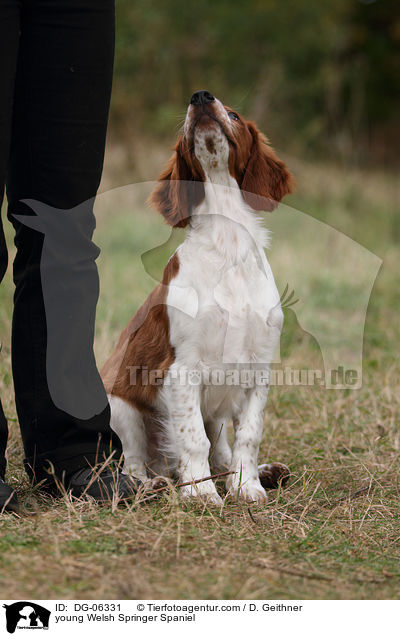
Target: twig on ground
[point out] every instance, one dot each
(325, 577)
(352, 495)
(297, 572)
(151, 493)
(251, 516)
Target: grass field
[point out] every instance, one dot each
(333, 533)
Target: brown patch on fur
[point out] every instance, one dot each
(181, 186)
(210, 145)
(145, 343)
(263, 178)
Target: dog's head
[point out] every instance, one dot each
(216, 139)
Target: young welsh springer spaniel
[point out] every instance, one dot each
(196, 354)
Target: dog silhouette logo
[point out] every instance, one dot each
(26, 615)
(70, 286)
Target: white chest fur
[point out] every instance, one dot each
(224, 306)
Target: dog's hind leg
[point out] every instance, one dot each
(128, 424)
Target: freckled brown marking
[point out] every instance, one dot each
(210, 145)
(182, 429)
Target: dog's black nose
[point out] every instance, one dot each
(201, 97)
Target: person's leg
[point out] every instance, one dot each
(61, 106)
(9, 38)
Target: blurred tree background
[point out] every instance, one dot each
(322, 77)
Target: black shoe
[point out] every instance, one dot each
(8, 498)
(103, 484)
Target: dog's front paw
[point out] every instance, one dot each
(249, 491)
(205, 491)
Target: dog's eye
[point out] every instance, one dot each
(233, 115)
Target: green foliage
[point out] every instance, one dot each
(313, 73)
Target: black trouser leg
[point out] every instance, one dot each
(9, 38)
(3, 442)
(62, 92)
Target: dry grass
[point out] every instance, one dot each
(332, 533)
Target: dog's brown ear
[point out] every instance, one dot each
(266, 179)
(180, 189)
